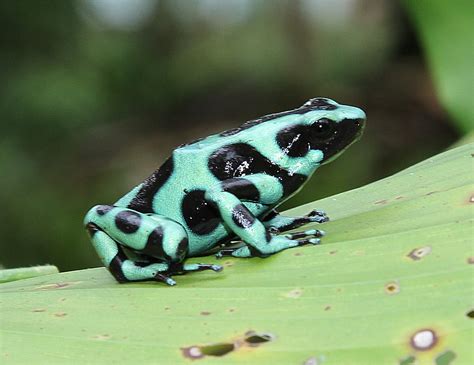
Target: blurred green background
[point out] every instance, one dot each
(94, 95)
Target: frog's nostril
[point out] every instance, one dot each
(359, 122)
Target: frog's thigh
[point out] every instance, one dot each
(149, 234)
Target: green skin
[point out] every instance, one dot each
(223, 189)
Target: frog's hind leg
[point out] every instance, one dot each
(120, 266)
(163, 241)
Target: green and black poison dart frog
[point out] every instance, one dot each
(223, 188)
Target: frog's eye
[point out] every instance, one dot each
(323, 128)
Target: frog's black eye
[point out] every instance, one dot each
(323, 128)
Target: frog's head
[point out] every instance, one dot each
(323, 125)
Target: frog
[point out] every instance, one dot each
(220, 194)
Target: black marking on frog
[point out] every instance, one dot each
(294, 140)
(115, 266)
(313, 104)
(242, 217)
(241, 188)
(320, 104)
(268, 236)
(154, 245)
(143, 201)
(343, 134)
(325, 135)
(182, 249)
(200, 214)
(128, 221)
(103, 209)
(240, 159)
(197, 140)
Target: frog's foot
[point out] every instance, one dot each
(165, 279)
(157, 273)
(184, 268)
(277, 223)
(277, 244)
(317, 216)
(225, 252)
(314, 233)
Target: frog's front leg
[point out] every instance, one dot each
(161, 244)
(278, 223)
(259, 241)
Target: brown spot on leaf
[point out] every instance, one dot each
(471, 199)
(193, 352)
(470, 260)
(56, 285)
(38, 310)
(250, 339)
(470, 314)
(229, 263)
(298, 254)
(103, 337)
(60, 314)
(295, 293)
(333, 252)
(328, 307)
(205, 313)
(231, 310)
(255, 339)
(418, 253)
(432, 192)
(392, 288)
(399, 197)
(381, 202)
(423, 339)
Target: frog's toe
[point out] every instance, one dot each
(318, 219)
(165, 279)
(201, 267)
(170, 282)
(309, 241)
(217, 268)
(317, 213)
(315, 233)
(226, 252)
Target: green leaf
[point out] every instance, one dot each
(392, 283)
(26, 272)
(446, 29)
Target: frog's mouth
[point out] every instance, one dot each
(347, 132)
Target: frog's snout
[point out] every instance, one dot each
(346, 132)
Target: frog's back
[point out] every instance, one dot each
(205, 162)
